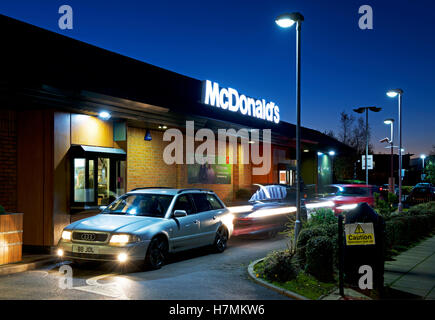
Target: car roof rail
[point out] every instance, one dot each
(194, 189)
(143, 188)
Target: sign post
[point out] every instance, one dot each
(364, 249)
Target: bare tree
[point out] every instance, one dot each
(329, 133)
(346, 123)
(358, 137)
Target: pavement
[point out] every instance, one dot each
(28, 262)
(413, 271)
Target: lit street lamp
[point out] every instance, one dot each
(422, 157)
(392, 94)
(287, 20)
(361, 110)
(391, 142)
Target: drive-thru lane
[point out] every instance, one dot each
(191, 275)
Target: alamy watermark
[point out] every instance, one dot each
(66, 19)
(366, 20)
(227, 140)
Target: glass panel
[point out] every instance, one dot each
(151, 205)
(104, 196)
(214, 203)
(79, 180)
(91, 195)
(120, 178)
(183, 203)
(201, 202)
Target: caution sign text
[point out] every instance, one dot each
(359, 234)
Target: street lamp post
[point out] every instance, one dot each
(392, 94)
(391, 123)
(422, 157)
(287, 20)
(361, 110)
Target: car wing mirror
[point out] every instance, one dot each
(179, 213)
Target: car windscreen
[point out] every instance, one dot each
(353, 191)
(150, 205)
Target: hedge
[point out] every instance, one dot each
(400, 230)
(403, 230)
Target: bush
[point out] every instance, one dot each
(409, 227)
(386, 207)
(424, 208)
(319, 255)
(406, 190)
(279, 266)
(2, 210)
(304, 236)
(321, 216)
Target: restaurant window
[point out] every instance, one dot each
(98, 176)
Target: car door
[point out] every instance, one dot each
(187, 232)
(209, 209)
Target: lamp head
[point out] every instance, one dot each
(389, 121)
(375, 109)
(287, 20)
(104, 115)
(359, 110)
(423, 156)
(394, 92)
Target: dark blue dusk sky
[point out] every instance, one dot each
(237, 44)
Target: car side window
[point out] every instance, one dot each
(201, 202)
(184, 203)
(214, 202)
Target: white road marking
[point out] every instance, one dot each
(113, 289)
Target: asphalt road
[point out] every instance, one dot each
(192, 275)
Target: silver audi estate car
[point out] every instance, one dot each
(146, 224)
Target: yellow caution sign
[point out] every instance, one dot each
(358, 234)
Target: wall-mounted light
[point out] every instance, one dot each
(104, 115)
(147, 135)
(331, 153)
(306, 150)
(320, 153)
(163, 127)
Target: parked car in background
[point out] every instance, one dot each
(423, 185)
(267, 212)
(347, 196)
(147, 224)
(420, 194)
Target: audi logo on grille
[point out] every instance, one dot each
(88, 236)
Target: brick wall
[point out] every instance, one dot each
(145, 165)
(8, 160)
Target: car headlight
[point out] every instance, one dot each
(66, 235)
(122, 239)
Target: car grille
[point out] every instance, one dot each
(89, 236)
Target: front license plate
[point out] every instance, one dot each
(85, 249)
